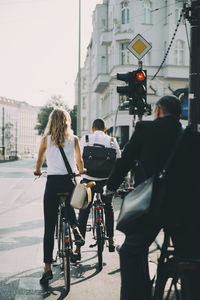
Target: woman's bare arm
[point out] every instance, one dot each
(41, 156)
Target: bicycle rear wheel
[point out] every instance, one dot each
(100, 245)
(59, 234)
(168, 285)
(66, 241)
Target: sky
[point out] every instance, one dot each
(39, 48)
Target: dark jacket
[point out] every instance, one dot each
(151, 144)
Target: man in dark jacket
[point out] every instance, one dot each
(151, 145)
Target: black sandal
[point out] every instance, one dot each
(46, 277)
(111, 248)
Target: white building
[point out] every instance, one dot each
(17, 127)
(115, 24)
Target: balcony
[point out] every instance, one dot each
(106, 38)
(101, 82)
(123, 36)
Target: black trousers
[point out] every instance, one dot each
(109, 213)
(55, 184)
(134, 258)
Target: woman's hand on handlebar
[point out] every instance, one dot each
(37, 173)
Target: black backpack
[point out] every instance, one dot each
(98, 159)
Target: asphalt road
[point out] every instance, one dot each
(21, 234)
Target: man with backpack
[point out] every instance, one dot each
(99, 152)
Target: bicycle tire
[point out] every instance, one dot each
(167, 285)
(66, 256)
(59, 234)
(100, 246)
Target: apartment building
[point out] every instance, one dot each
(17, 127)
(115, 24)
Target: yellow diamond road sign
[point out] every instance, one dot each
(139, 46)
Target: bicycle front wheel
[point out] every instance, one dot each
(100, 245)
(66, 255)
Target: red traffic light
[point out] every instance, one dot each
(140, 76)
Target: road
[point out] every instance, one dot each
(21, 234)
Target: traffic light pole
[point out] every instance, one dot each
(193, 16)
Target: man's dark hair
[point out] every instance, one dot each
(170, 105)
(98, 124)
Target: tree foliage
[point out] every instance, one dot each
(43, 115)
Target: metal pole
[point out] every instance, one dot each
(3, 132)
(115, 122)
(79, 76)
(16, 140)
(194, 76)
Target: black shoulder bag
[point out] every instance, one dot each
(147, 198)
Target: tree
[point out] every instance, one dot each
(43, 116)
(73, 114)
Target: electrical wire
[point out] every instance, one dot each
(169, 47)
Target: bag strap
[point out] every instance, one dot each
(67, 165)
(112, 143)
(99, 145)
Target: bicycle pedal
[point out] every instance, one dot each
(88, 228)
(55, 262)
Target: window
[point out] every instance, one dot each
(147, 12)
(84, 123)
(179, 58)
(178, 10)
(84, 83)
(125, 12)
(166, 12)
(84, 102)
(124, 54)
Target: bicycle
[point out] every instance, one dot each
(63, 235)
(170, 282)
(98, 227)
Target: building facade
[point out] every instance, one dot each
(115, 24)
(17, 129)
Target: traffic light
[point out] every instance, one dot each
(141, 85)
(139, 93)
(125, 90)
(135, 90)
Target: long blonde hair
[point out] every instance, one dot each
(59, 126)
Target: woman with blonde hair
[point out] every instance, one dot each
(58, 133)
